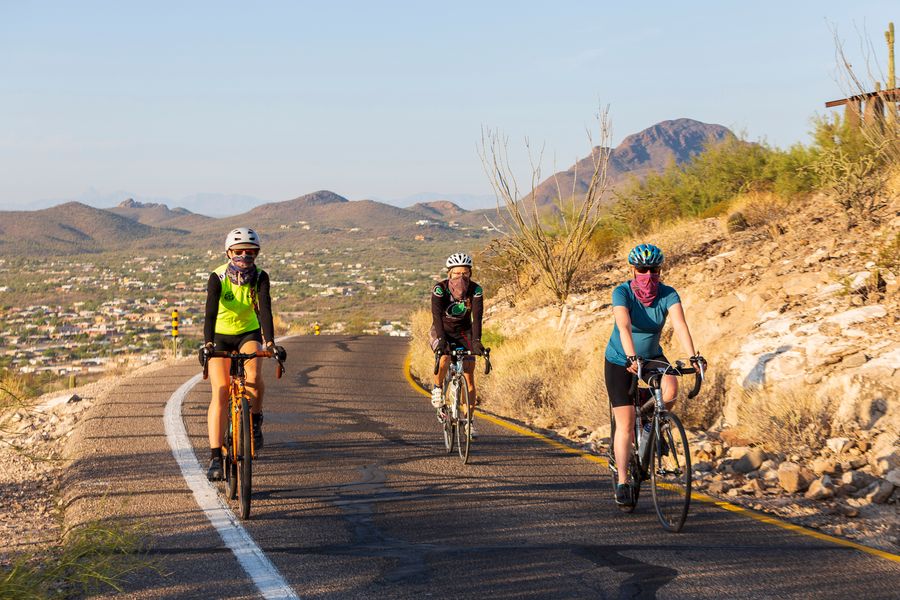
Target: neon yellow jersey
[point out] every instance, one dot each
(236, 312)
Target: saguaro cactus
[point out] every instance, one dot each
(889, 36)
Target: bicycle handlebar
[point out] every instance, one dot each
(677, 369)
(459, 353)
(279, 370)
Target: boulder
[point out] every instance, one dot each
(837, 444)
(718, 487)
(825, 466)
(879, 491)
(858, 479)
(749, 461)
(793, 477)
(894, 477)
(820, 489)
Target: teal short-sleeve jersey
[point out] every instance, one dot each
(646, 322)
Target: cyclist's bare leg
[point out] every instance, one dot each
(469, 374)
(624, 416)
(217, 414)
(442, 371)
(669, 386)
(253, 370)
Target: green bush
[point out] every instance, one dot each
(702, 187)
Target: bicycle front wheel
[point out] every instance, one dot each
(228, 461)
(448, 424)
(464, 427)
(245, 460)
(670, 473)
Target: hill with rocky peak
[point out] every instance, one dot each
(158, 215)
(648, 151)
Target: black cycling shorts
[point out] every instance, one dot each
(618, 383)
(233, 343)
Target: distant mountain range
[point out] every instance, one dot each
(324, 218)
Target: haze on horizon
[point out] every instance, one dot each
(265, 103)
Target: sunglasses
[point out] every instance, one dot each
(643, 270)
(245, 251)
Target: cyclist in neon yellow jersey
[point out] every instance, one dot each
(238, 318)
(640, 309)
(457, 305)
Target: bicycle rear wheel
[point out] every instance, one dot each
(448, 424)
(634, 471)
(670, 473)
(245, 459)
(464, 426)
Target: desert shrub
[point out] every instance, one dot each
(785, 419)
(755, 209)
(889, 255)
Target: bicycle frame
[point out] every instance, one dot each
(659, 410)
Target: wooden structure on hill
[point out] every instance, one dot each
(868, 108)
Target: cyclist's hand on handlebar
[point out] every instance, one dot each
(477, 348)
(278, 352)
(698, 360)
(632, 366)
(204, 353)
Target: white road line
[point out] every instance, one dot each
(260, 569)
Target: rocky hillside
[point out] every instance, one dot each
(158, 215)
(798, 316)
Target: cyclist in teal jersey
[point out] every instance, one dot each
(239, 319)
(640, 308)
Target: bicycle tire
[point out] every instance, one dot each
(464, 428)
(449, 433)
(245, 459)
(228, 463)
(670, 474)
(634, 471)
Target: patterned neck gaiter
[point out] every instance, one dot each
(241, 270)
(645, 287)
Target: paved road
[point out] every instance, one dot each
(354, 497)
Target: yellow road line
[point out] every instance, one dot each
(763, 518)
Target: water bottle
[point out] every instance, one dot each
(451, 398)
(644, 440)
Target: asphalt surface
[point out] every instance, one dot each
(355, 497)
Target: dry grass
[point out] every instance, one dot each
(759, 208)
(785, 419)
(94, 558)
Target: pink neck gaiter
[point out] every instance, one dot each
(645, 287)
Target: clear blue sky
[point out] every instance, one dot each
(385, 99)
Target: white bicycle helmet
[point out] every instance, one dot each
(242, 236)
(459, 260)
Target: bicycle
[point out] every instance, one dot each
(455, 392)
(661, 454)
(238, 448)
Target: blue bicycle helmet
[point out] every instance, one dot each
(646, 255)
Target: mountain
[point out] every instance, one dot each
(439, 209)
(649, 151)
(464, 201)
(77, 227)
(158, 215)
